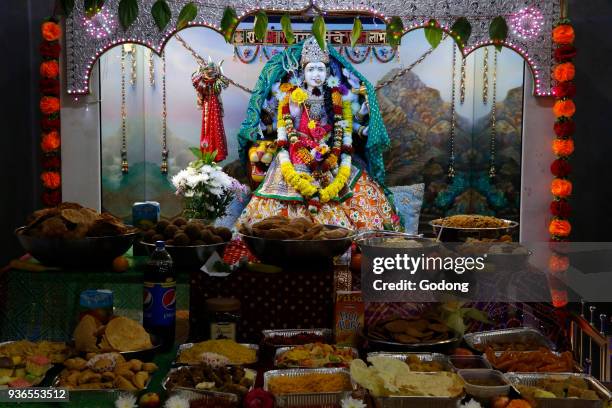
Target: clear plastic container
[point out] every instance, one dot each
(469, 363)
(484, 392)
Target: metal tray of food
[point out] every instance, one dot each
(515, 335)
(298, 400)
(411, 401)
(423, 357)
(190, 393)
(186, 346)
(281, 350)
(108, 394)
(531, 379)
(269, 334)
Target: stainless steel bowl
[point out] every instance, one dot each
(83, 252)
(460, 234)
(295, 252)
(190, 256)
(438, 346)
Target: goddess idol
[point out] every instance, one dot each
(314, 108)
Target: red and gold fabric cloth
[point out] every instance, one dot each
(212, 136)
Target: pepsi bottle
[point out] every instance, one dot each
(159, 297)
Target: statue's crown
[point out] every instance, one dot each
(311, 52)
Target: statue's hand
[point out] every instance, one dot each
(365, 109)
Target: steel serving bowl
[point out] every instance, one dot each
(296, 252)
(437, 346)
(81, 252)
(460, 234)
(190, 256)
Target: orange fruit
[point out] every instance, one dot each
(121, 264)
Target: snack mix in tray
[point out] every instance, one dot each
(309, 383)
(236, 353)
(470, 221)
(279, 227)
(25, 363)
(315, 355)
(105, 371)
(233, 380)
(542, 360)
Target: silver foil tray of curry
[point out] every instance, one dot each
(516, 339)
(563, 390)
(420, 362)
(228, 383)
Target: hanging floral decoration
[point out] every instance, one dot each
(563, 146)
(49, 86)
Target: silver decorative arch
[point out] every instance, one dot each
(82, 50)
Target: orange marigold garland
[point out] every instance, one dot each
(564, 109)
(50, 143)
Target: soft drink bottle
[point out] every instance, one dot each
(159, 297)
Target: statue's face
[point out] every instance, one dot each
(315, 74)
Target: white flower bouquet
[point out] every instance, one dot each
(206, 189)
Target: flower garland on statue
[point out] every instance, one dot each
(315, 152)
(50, 106)
(563, 145)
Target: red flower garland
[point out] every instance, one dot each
(564, 90)
(49, 86)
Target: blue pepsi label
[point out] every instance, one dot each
(159, 304)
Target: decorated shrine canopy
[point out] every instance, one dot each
(531, 24)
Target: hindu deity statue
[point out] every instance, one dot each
(314, 105)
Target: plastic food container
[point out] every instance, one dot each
(469, 363)
(485, 391)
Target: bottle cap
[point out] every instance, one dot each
(160, 244)
(220, 304)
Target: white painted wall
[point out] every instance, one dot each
(538, 121)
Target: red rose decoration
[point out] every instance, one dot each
(564, 90)
(51, 198)
(258, 398)
(49, 86)
(565, 128)
(560, 208)
(50, 50)
(564, 53)
(52, 162)
(50, 124)
(560, 168)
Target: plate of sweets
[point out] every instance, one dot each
(234, 353)
(24, 363)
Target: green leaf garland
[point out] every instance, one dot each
(161, 14)
(433, 33)
(128, 12)
(319, 31)
(356, 32)
(395, 30)
(287, 29)
(229, 22)
(187, 14)
(462, 30)
(261, 26)
(498, 31)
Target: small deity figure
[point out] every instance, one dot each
(314, 112)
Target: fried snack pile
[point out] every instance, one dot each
(73, 221)
(411, 330)
(234, 380)
(105, 371)
(470, 221)
(237, 353)
(561, 387)
(180, 232)
(542, 360)
(279, 227)
(120, 334)
(56, 352)
(417, 364)
(309, 383)
(388, 376)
